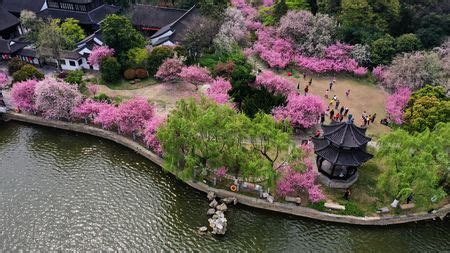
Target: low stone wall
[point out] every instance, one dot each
(287, 208)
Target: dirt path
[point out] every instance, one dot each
(164, 95)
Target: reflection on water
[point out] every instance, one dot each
(67, 191)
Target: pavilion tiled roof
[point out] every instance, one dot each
(92, 17)
(154, 16)
(339, 156)
(345, 134)
(11, 46)
(7, 19)
(16, 6)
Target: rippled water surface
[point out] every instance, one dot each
(66, 191)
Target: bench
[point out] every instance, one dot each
(334, 206)
(407, 206)
(296, 200)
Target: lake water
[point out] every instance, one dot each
(65, 191)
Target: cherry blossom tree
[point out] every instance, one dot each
(132, 115)
(56, 99)
(310, 33)
(149, 137)
(277, 52)
(377, 72)
(169, 69)
(414, 70)
(218, 91)
(337, 58)
(98, 53)
(22, 95)
(275, 83)
(92, 88)
(195, 75)
(88, 110)
(293, 180)
(232, 31)
(106, 116)
(396, 103)
(3, 80)
(301, 111)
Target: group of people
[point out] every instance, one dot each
(367, 119)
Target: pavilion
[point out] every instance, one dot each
(340, 152)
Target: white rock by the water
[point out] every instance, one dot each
(270, 199)
(211, 196)
(211, 211)
(265, 195)
(203, 229)
(213, 203)
(230, 200)
(222, 207)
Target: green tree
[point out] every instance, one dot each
(280, 9)
(27, 72)
(30, 23)
(433, 29)
(137, 57)
(415, 164)
(110, 69)
(382, 50)
(331, 7)
(212, 8)
(426, 108)
(407, 43)
(50, 40)
(157, 57)
(74, 77)
(72, 31)
(297, 5)
(119, 33)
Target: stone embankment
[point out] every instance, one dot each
(287, 208)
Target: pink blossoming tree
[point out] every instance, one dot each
(56, 99)
(106, 116)
(98, 53)
(277, 52)
(3, 80)
(293, 180)
(93, 89)
(195, 75)
(132, 115)
(218, 91)
(149, 137)
(169, 69)
(88, 110)
(22, 95)
(275, 83)
(301, 111)
(396, 104)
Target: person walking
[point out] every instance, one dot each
(304, 76)
(341, 118)
(331, 114)
(342, 110)
(369, 118)
(298, 86)
(306, 90)
(346, 111)
(373, 117)
(337, 104)
(322, 118)
(347, 93)
(347, 194)
(310, 82)
(331, 102)
(326, 94)
(330, 85)
(334, 97)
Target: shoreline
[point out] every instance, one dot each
(286, 208)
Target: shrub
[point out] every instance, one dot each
(352, 209)
(157, 57)
(224, 69)
(27, 72)
(14, 65)
(74, 77)
(110, 69)
(170, 69)
(407, 43)
(102, 97)
(62, 75)
(319, 206)
(141, 73)
(129, 74)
